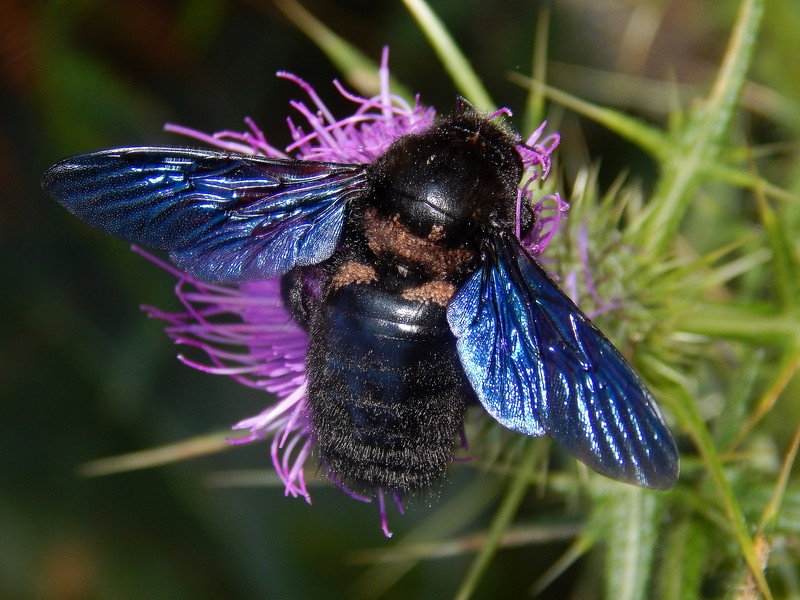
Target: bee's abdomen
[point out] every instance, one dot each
(386, 389)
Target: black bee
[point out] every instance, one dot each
(410, 278)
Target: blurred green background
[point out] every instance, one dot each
(83, 374)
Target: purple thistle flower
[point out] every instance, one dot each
(245, 332)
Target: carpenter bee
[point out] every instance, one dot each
(409, 275)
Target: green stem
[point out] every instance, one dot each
(702, 137)
(687, 413)
(463, 75)
(742, 323)
(502, 521)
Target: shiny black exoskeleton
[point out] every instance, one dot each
(386, 390)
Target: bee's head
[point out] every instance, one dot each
(451, 181)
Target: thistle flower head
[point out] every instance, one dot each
(246, 333)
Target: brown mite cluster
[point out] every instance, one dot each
(353, 272)
(436, 291)
(389, 236)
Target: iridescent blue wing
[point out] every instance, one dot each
(538, 365)
(224, 218)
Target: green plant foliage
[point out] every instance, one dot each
(684, 189)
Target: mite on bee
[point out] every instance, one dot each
(410, 277)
